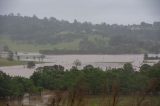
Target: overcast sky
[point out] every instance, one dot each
(96, 11)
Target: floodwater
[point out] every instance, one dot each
(101, 61)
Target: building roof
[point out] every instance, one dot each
(28, 54)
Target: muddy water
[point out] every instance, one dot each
(102, 61)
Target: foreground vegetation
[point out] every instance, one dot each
(101, 101)
(112, 87)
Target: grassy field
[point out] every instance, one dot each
(123, 101)
(5, 62)
(27, 47)
(32, 47)
(100, 101)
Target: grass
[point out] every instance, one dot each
(31, 47)
(123, 101)
(27, 47)
(5, 62)
(74, 45)
(99, 40)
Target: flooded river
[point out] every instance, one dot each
(102, 61)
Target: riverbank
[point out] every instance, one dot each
(5, 62)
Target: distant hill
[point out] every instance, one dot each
(49, 35)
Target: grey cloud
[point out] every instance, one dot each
(110, 11)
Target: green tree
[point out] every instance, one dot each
(128, 67)
(31, 64)
(77, 63)
(10, 56)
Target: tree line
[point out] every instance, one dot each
(93, 80)
(141, 38)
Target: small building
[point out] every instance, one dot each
(28, 56)
(4, 54)
(152, 57)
